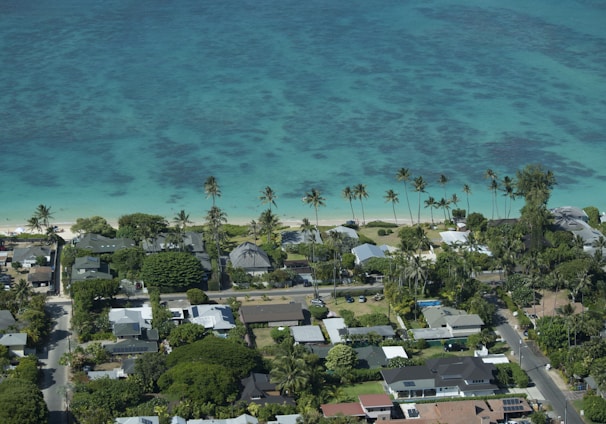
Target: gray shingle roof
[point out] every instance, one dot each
(271, 313)
(249, 256)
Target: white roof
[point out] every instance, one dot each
(138, 420)
(394, 352)
(335, 328)
(349, 232)
(307, 334)
(286, 419)
(367, 251)
(13, 339)
(454, 237)
(217, 317)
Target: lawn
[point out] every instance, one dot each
(366, 388)
(263, 337)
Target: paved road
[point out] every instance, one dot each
(55, 376)
(533, 362)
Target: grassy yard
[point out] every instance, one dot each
(263, 337)
(366, 388)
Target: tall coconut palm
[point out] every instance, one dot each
(442, 181)
(211, 188)
(443, 204)
(419, 184)
(454, 199)
(430, 203)
(43, 213)
(215, 218)
(392, 197)
(403, 174)
(309, 230)
(348, 194)
(181, 220)
(493, 186)
(34, 224)
(290, 373)
(509, 193)
(467, 191)
(268, 222)
(253, 226)
(361, 193)
(314, 198)
(336, 240)
(268, 196)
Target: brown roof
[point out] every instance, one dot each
(374, 401)
(271, 313)
(346, 409)
(468, 411)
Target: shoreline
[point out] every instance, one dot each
(65, 232)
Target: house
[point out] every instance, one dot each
(348, 232)
(458, 322)
(251, 258)
(40, 275)
(90, 267)
(3, 257)
(490, 411)
(131, 347)
(307, 334)
(242, 419)
(258, 388)
(6, 320)
(276, 315)
(290, 238)
(128, 322)
(364, 333)
(15, 342)
(97, 243)
(28, 256)
(370, 407)
(367, 251)
(336, 329)
(218, 318)
(286, 419)
(191, 242)
(575, 220)
(300, 267)
(394, 352)
(138, 420)
(370, 357)
(441, 377)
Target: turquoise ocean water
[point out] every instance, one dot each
(115, 107)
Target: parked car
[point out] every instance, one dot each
(317, 302)
(349, 299)
(362, 299)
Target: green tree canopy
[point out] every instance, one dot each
(104, 398)
(236, 357)
(140, 226)
(185, 334)
(197, 297)
(200, 382)
(148, 369)
(171, 271)
(94, 225)
(341, 358)
(129, 260)
(21, 402)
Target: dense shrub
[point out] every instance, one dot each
(383, 224)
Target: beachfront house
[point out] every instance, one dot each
(98, 244)
(189, 242)
(251, 258)
(29, 256)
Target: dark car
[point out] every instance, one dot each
(349, 299)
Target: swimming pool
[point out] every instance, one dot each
(425, 303)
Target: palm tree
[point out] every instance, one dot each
(309, 229)
(211, 188)
(268, 222)
(253, 229)
(403, 174)
(314, 198)
(420, 185)
(392, 197)
(361, 193)
(442, 181)
(508, 192)
(443, 204)
(215, 218)
(22, 291)
(336, 239)
(44, 214)
(348, 194)
(268, 196)
(467, 191)
(494, 185)
(290, 373)
(34, 224)
(181, 220)
(430, 203)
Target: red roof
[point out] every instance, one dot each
(346, 409)
(375, 401)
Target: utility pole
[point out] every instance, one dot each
(520, 352)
